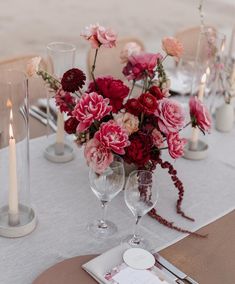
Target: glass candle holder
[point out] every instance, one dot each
(61, 57)
(207, 74)
(17, 218)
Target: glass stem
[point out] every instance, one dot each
(102, 221)
(136, 238)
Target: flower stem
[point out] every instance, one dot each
(132, 87)
(93, 68)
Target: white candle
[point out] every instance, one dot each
(13, 192)
(59, 146)
(202, 87)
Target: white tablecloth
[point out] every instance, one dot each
(64, 205)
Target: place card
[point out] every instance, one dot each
(124, 274)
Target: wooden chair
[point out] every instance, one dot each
(108, 60)
(36, 89)
(189, 38)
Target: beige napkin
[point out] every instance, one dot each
(104, 263)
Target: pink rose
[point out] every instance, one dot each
(99, 35)
(128, 121)
(33, 66)
(89, 108)
(172, 47)
(157, 138)
(113, 137)
(175, 145)
(141, 65)
(98, 157)
(131, 48)
(171, 116)
(199, 114)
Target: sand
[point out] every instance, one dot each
(26, 26)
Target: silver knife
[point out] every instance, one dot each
(173, 269)
(42, 119)
(169, 274)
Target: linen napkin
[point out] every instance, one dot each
(104, 263)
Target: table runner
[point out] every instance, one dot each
(64, 204)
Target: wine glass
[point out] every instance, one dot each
(141, 196)
(106, 186)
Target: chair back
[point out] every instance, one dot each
(108, 60)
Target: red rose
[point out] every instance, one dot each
(139, 150)
(148, 102)
(70, 125)
(72, 80)
(156, 92)
(133, 106)
(111, 88)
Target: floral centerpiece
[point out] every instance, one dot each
(109, 118)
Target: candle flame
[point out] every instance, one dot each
(11, 131)
(11, 115)
(9, 103)
(222, 47)
(10, 125)
(203, 79)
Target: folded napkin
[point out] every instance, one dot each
(104, 263)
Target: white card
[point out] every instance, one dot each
(129, 275)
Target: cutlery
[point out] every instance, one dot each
(42, 119)
(173, 269)
(169, 274)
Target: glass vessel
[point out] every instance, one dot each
(61, 57)
(106, 186)
(141, 196)
(17, 218)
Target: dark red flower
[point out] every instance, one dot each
(111, 88)
(64, 100)
(133, 106)
(73, 79)
(139, 150)
(148, 103)
(70, 125)
(156, 92)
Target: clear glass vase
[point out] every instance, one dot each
(16, 215)
(61, 57)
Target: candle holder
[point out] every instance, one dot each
(196, 151)
(17, 218)
(61, 57)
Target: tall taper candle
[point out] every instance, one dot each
(13, 213)
(59, 146)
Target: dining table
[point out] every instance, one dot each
(64, 205)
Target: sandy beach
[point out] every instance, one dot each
(26, 26)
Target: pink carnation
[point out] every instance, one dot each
(99, 35)
(157, 138)
(172, 47)
(113, 137)
(199, 114)
(98, 157)
(89, 108)
(141, 65)
(64, 100)
(175, 145)
(171, 116)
